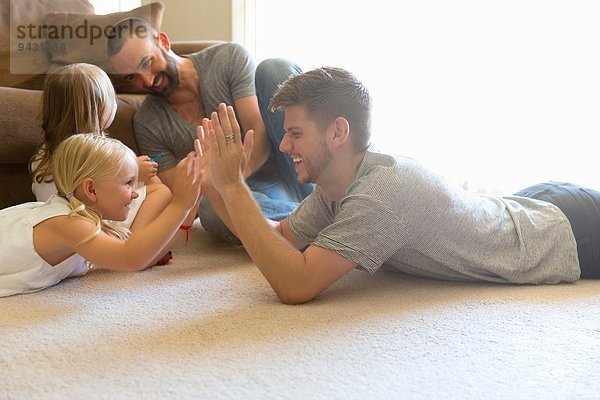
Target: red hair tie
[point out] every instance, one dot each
(186, 228)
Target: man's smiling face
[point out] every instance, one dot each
(147, 66)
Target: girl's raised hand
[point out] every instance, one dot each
(203, 153)
(147, 169)
(187, 183)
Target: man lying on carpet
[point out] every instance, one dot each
(371, 210)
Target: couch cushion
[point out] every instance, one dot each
(20, 22)
(20, 131)
(92, 48)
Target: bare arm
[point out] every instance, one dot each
(167, 177)
(295, 276)
(134, 254)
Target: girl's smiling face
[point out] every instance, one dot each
(114, 196)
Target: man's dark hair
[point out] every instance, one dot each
(328, 93)
(126, 29)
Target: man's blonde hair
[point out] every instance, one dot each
(84, 156)
(74, 100)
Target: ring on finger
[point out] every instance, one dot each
(229, 138)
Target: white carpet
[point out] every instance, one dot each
(208, 326)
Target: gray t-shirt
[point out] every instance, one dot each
(399, 215)
(226, 73)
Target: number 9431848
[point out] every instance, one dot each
(42, 46)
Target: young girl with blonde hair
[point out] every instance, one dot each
(95, 177)
(80, 98)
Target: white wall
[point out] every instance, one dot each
(197, 19)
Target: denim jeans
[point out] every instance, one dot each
(582, 208)
(275, 185)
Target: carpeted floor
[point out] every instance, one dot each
(208, 326)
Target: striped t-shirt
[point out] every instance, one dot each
(398, 215)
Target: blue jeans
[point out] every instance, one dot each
(582, 208)
(275, 185)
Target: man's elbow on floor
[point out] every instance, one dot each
(292, 297)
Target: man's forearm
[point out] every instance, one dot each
(281, 263)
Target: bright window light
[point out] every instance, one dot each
(494, 95)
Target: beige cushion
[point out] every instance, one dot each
(92, 49)
(20, 66)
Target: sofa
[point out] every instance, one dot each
(22, 76)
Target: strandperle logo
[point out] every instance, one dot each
(84, 30)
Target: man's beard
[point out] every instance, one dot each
(171, 73)
(315, 166)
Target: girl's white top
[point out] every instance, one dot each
(22, 270)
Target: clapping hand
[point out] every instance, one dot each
(187, 183)
(223, 155)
